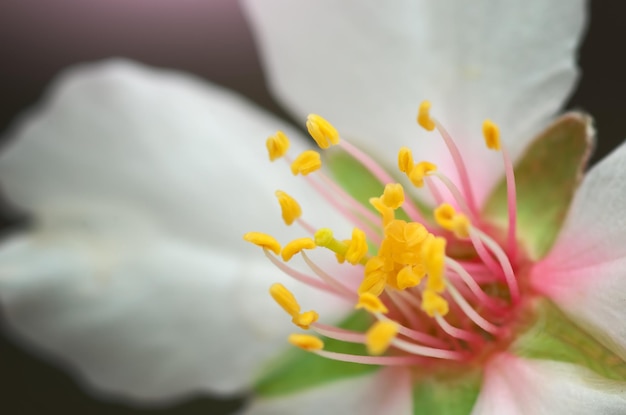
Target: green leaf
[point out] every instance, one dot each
(297, 370)
(450, 396)
(555, 337)
(546, 177)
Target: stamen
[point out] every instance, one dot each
(470, 312)
(295, 247)
(263, 240)
(381, 174)
(419, 171)
(449, 219)
(434, 304)
(433, 252)
(303, 278)
(357, 248)
(288, 302)
(307, 162)
(405, 160)
(393, 195)
(285, 299)
(371, 303)
(491, 132)
(505, 265)
(306, 342)
(289, 207)
(277, 145)
(380, 335)
(322, 131)
(375, 278)
(423, 116)
(328, 279)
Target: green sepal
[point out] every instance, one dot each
(297, 370)
(546, 177)
(555, 337)
(449, 396)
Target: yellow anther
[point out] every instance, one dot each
(375, 277)
(306, 342)
(447, 217)
(304, 320)
(307, 162)
(433, 303)
(386, 212)
(296, 246)
(407, 277)
(393, 195)
(423, 116)
(289, 207)
(491, 132)
(419, 171)
(371, 303)
(324, 238)
(285, 299)
(263, 240)
(405, 160)
(357, 248)
(322, 131)
(434, 254)
(380, 335)
(277, 145)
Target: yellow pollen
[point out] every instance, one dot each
(306, 342)
(419, 171)
(277, 145)
(379, 336)
(295, 247)
(285, 299)
(423, 116)
(371, 303)
(393, 196)
(491, 132)
(322, 131)
(307, 162)
(304, 320)
(263, 240)
(357, 248)
(433, 303)
(449, 219)
(289, 207)
(405, 160)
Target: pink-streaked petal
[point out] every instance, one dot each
(585, 273)
(366, 68)
(388, 391)
(139, 315)
(516, 386)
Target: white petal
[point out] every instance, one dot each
(367, 67)
(515, 386)
(386, 392)
(188, 153)
(585, 273)
(142, 315)
(142, 183)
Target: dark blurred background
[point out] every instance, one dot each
(210, 38)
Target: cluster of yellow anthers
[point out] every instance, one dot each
(409, 256)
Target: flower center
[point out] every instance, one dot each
(439, 283)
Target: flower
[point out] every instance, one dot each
(133, 274)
